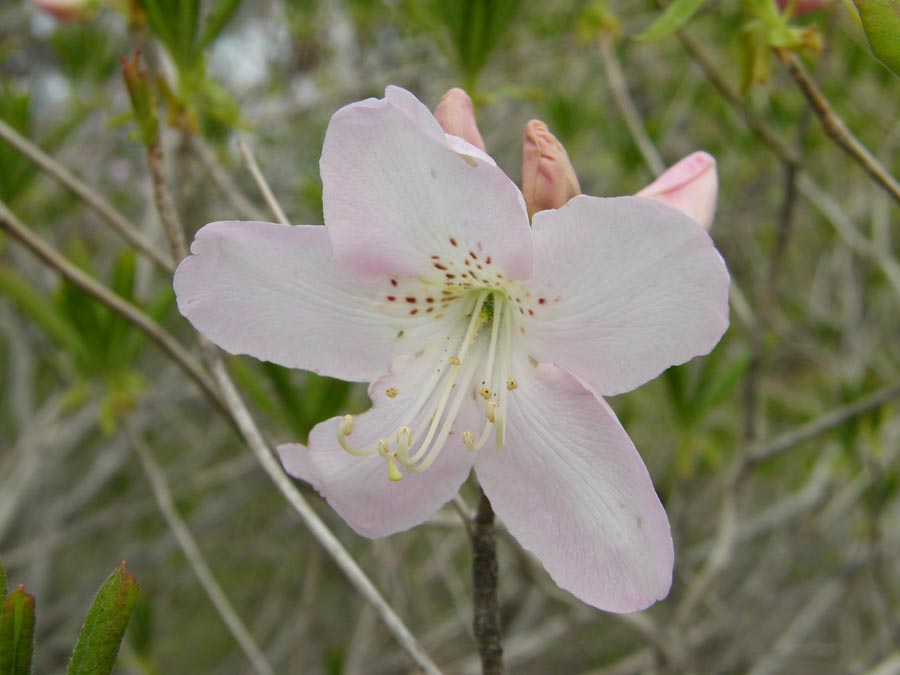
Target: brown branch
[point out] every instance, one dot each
(87, 195)
(836, 128)
(165, 205)
(484, 579)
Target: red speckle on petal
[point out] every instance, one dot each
(542, 301)
(391, 298)
(429, 299)
(413, 312)
(530, 312)
(410, 299)
(441, 267)
(474, 255)
(488, 260)
(394, 283)
(453, 242)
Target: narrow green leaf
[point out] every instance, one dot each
(674, 17)
(17, 633)
(103, 629)
(218, 18)
(39, 308)
(881, 21)
(3, 589)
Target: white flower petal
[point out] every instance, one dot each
(623, 289)
(573, 490)
(274, 292)
(394, 196)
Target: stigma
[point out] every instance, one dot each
(476, 365)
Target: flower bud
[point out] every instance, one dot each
(548, 179)
(456, 115)
(67, 10)
(691, 185)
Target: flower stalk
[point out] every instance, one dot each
(486, 620)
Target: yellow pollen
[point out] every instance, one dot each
(512, 384)
(455, 361)
(485, 393)
(391, 392)
(469, 440)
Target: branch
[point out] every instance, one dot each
(625, 103)
(836, 129)
(86, 194)
(261, 183)
(825, 423)
(486, 621)
(194, 555)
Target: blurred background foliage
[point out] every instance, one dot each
(808, 582)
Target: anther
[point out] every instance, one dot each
(455, 361)
(485, 393)
(345, 428)
(391, 392)
(404, 440)
(469, 440)
(512, 384)
(490, 409)
(384, 449)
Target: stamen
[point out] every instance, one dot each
(454, 361)
(345, 428)
(391, 392)
(485, 393)
(512, 384)
(490, 411)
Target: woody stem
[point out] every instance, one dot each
(486, 621)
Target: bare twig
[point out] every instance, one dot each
(809, 616)
(264, 188)
(86, 194)
(486, 621)
(96, 290)
(165, 205)
(835, 128)
(196, 560)
(223, 180)
(625, 103)
(822, 424)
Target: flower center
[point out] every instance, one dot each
(441, 390)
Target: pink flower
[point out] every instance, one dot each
(67, 10)
(488, 343)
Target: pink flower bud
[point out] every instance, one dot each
(691, 185)
(456, 115)
(67, 10)
(803, 6)
(548, 179)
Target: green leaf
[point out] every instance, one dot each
(39, 308)
(674, 17)
(3, 589)
(218, 18)
(881, 21)
(98, 644)
(17, 633)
